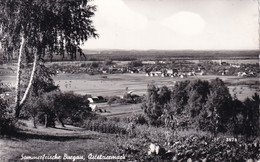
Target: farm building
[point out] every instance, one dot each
(241, 74)
(172, 71)
(98, 99)
(93, 107)
(155, 73)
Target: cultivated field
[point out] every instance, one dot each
(115, 84)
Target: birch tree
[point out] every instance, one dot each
(37, 28)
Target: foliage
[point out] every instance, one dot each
(51, 26)
(136, 63)
(7, 121)
(71, 107)
(109, 62)
(138, 119)
(251, 116)
(127, 99)
(193, 147)
(36, 28)
(112, 99)
(67, 108)
(151, 105)
(95, 64)
(203, 105)
(42, 84)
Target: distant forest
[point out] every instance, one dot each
(153, 55)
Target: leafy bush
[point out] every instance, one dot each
(109, 62)
(7, 120)
(136, 63)
(95, 64)
(174, 147)
(138, 119)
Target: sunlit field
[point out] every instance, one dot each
(115, 84)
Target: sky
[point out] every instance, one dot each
(176, 25)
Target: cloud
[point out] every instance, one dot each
(187, 23)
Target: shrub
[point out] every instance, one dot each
(109, 62)
(136, 63)
(95, 64)
(181, 148)
(83, 65)
(138, 119)
(7, 121)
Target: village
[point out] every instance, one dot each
(176, 68)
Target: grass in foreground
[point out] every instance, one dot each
(71, 140)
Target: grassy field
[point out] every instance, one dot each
(72, 141)
(116, 84)
(121, 110)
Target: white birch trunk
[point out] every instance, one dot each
(19, 103)
(18, 79)
(26, 93)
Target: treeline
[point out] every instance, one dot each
(202, 105)
(123, 55)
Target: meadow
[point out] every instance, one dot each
(115, 84)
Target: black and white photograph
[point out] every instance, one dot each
(130, 80)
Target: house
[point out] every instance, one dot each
(202, 73)
(93, 107)
(224, 64)
(149, 62)
(200, 68)
(183, 75)
(98, 99)
(191, 73)
(132, 71)
(93, 100)
(241, 74)
(235, 66)
(172, 72)
(156, 73)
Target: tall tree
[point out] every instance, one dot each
(35, 28)
(151, 105)
(219, 106)
(251, 116)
